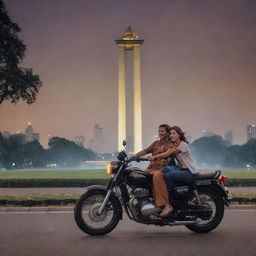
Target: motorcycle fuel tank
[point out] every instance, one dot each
(138, 178)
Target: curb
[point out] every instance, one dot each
(37, 209)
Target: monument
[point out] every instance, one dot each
(129, 42)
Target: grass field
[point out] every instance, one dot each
(98, 174)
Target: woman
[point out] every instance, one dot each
(186, 172)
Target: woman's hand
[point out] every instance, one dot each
(151, 158)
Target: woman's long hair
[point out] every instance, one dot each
(180, 132)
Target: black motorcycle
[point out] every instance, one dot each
(198, 205)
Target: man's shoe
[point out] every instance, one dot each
(166, 211)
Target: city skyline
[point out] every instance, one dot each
(198, 65)
(96, 141)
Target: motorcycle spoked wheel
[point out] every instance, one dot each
(87, 218)
(215, 203)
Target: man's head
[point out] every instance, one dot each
(164, 131)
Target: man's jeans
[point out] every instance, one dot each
(173, 174)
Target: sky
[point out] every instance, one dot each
(198, 66)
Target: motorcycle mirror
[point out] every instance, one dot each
(124, 143)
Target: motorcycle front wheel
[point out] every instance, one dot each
(87, 217)
(214, 203)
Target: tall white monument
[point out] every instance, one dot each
(129, 42)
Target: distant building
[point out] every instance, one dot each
(251, 131)
(90, 144)
(228, 138)
(30, 135)
(79, 140)
(97, 141)
(6, 134)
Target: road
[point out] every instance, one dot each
(55, 233)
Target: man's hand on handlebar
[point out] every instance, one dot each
(137, 158)
(151, 158)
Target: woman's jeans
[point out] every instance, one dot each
(173, 174)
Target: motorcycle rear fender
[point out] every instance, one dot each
(213, 185)
(113, 196)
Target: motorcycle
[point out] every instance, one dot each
(198, 205)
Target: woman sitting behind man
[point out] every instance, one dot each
(186, 172)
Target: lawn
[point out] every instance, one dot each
(97, 174)
(239, 174)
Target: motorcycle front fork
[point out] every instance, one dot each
(99, 212)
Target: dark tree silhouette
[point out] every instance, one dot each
(67, 153)
(208, 150)
(15, 82)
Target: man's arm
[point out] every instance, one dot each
(146, 150)
(167, 153)
(141, 153)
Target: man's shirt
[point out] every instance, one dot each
(158, 147)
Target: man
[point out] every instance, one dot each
(160, 192)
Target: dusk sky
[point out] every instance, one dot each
(198, 66)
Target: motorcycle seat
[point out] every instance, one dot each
(208, 175)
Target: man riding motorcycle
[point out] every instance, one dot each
(159, 147)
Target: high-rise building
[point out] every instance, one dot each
(6, 134)
(228, 138)
(79, 140)
(251, 131)
(29, 134)
(97, 141)
(90, 144)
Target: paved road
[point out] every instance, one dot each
(56, 234)
(15, 191)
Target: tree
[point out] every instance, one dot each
(15, 82)
(11, 152)
(208, 151)
(249, 152)
(67, 153)
(234, 157)
(34, 154)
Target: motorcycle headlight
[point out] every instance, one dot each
(111, 167)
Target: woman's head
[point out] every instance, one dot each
(176, 133)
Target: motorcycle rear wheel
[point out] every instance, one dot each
(215, 202)
(87, 218)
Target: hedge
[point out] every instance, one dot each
(33, 183)
(19, 183)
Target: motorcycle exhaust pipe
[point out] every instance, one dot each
(177, 223)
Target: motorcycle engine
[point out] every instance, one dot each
(145, 204)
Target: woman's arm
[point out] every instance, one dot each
(167, 153)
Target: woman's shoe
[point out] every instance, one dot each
(166, 211)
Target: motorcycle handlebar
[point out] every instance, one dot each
(137, 159)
